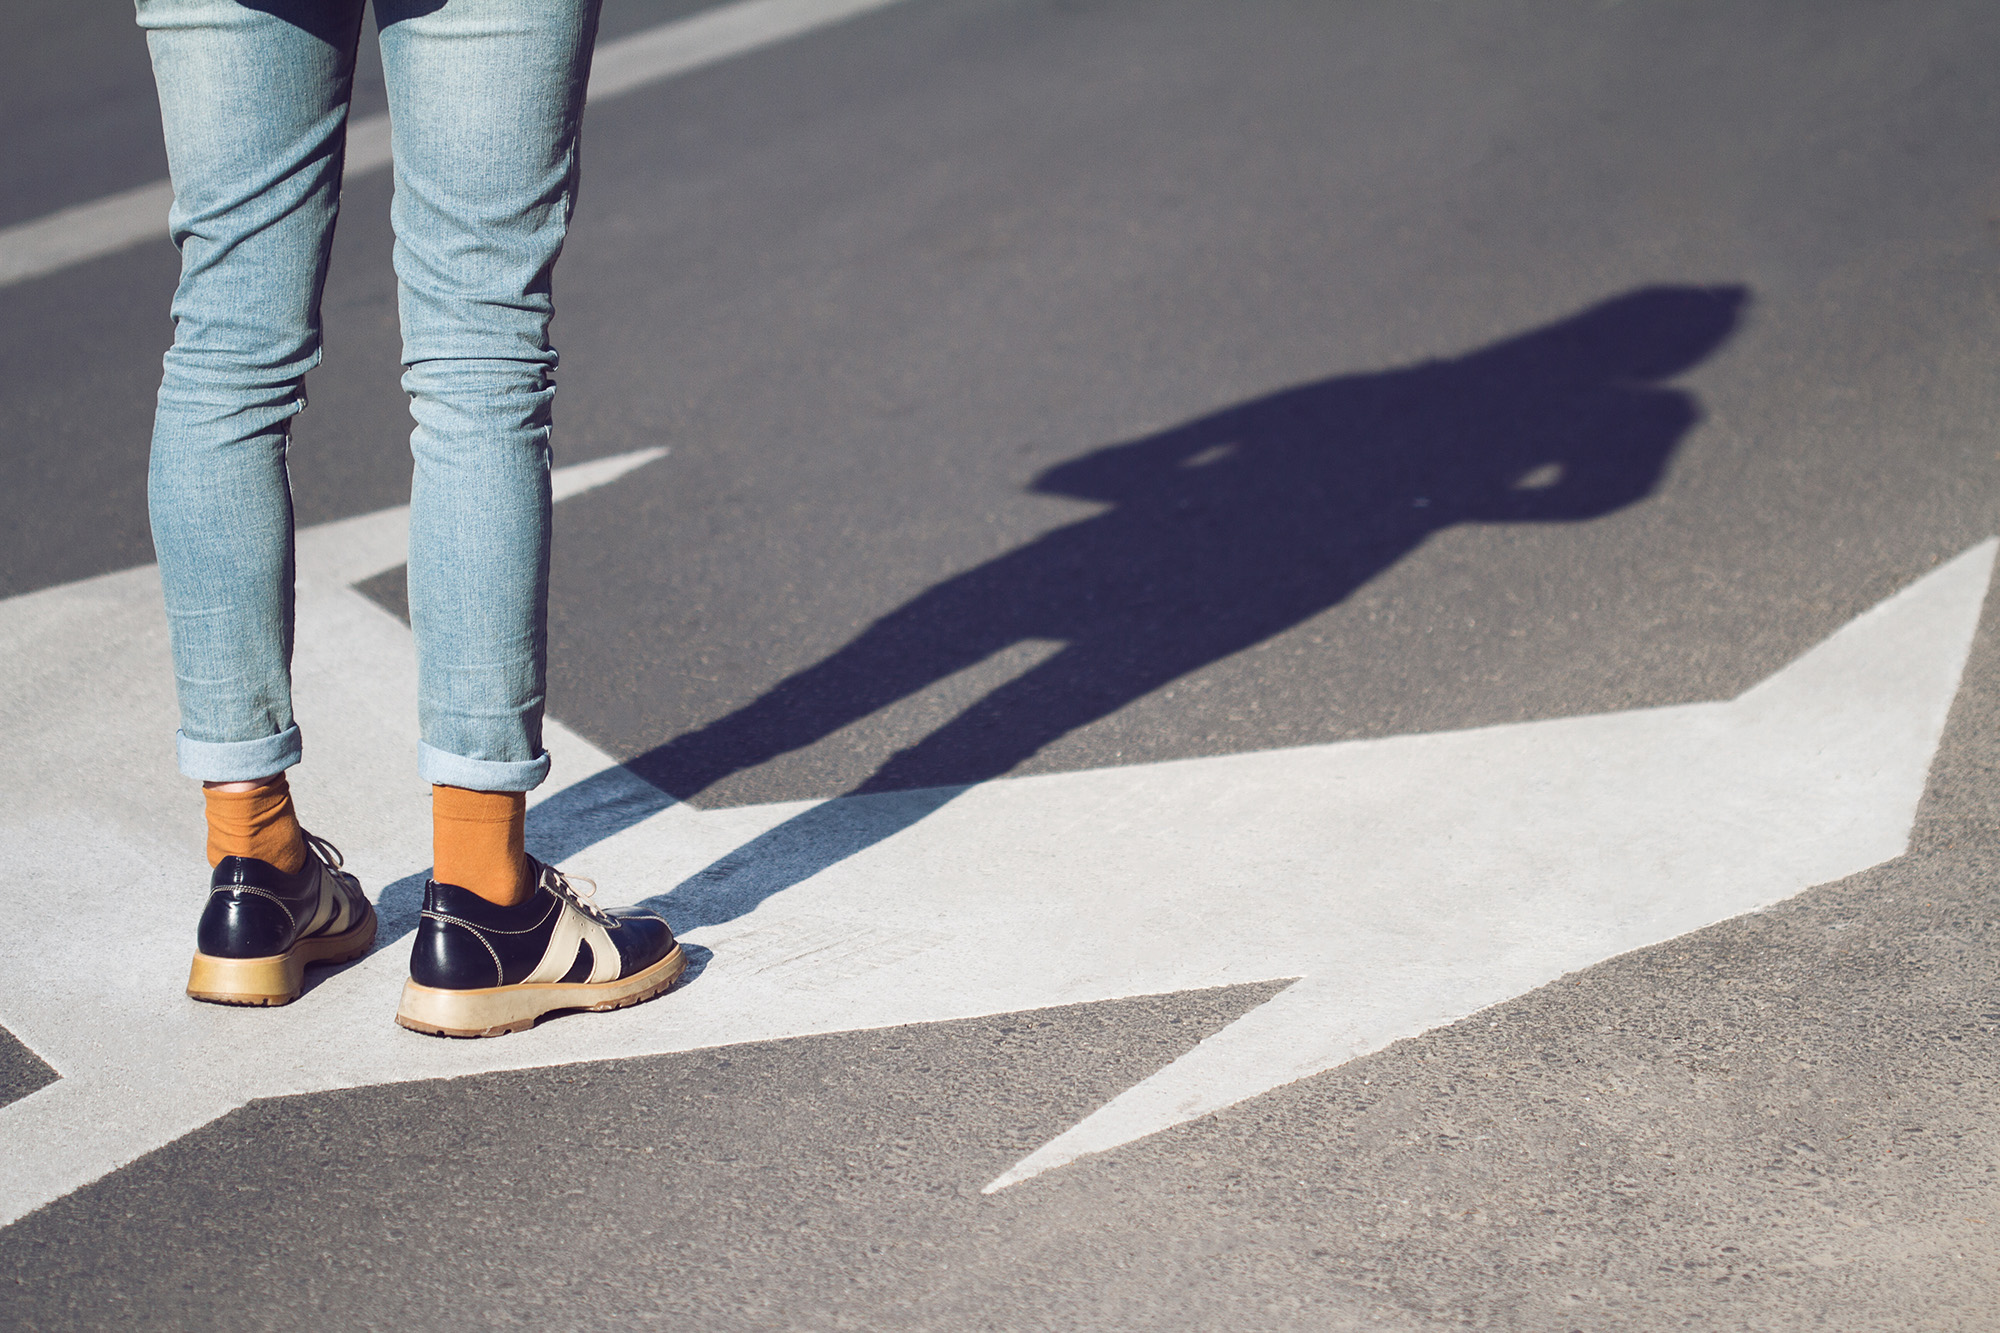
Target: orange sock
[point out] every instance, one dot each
(476, 841)
(259, 822)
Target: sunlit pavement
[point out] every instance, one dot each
(1296, 665)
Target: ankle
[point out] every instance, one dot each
(478, 843)
(256, 820)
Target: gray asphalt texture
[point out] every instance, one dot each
(898, 296)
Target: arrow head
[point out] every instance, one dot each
(1581, 839)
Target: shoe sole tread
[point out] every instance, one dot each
(277, 979)
(496, 1011)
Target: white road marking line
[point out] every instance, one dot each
(1408, 881)
(580, 477)
(711, 36)
(106, 226)
(85, 231)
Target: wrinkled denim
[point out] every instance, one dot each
(485, 97)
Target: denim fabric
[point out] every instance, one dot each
(485, 98)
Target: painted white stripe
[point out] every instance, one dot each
(86, 231)
(368, 146)
(108, 225)
(712, 36)
(1406, 881)
(580, 477)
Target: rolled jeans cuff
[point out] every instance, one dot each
(238, 761)
(445, 769)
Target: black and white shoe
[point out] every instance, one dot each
(262, 927)
(477, 970)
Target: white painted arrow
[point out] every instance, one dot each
(1404, 882)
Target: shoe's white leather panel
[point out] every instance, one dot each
(331, 901)
(561, 953)
(603, 953)
(349, 913)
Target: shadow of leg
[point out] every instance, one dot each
(1010, 725)
(1078, 686)
(938, 635)
(794, 852)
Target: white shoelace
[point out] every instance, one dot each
(324, 850)
(585, 900)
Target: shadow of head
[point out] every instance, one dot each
(1644, 336)
(1565, 422)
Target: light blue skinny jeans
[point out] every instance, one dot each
(486, 98)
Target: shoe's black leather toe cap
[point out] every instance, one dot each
(643, 938)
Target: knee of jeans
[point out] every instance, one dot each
(217, 400)
(477, 339)
(253, 359)
(515, 395)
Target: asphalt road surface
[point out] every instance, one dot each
(1067, 386)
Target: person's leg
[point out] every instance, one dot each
(486, 97)
(254, 111)
(253, 102)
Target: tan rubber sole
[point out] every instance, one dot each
(498, 1010)
(279, 978)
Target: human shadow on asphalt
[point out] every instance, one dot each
(1221, 532)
